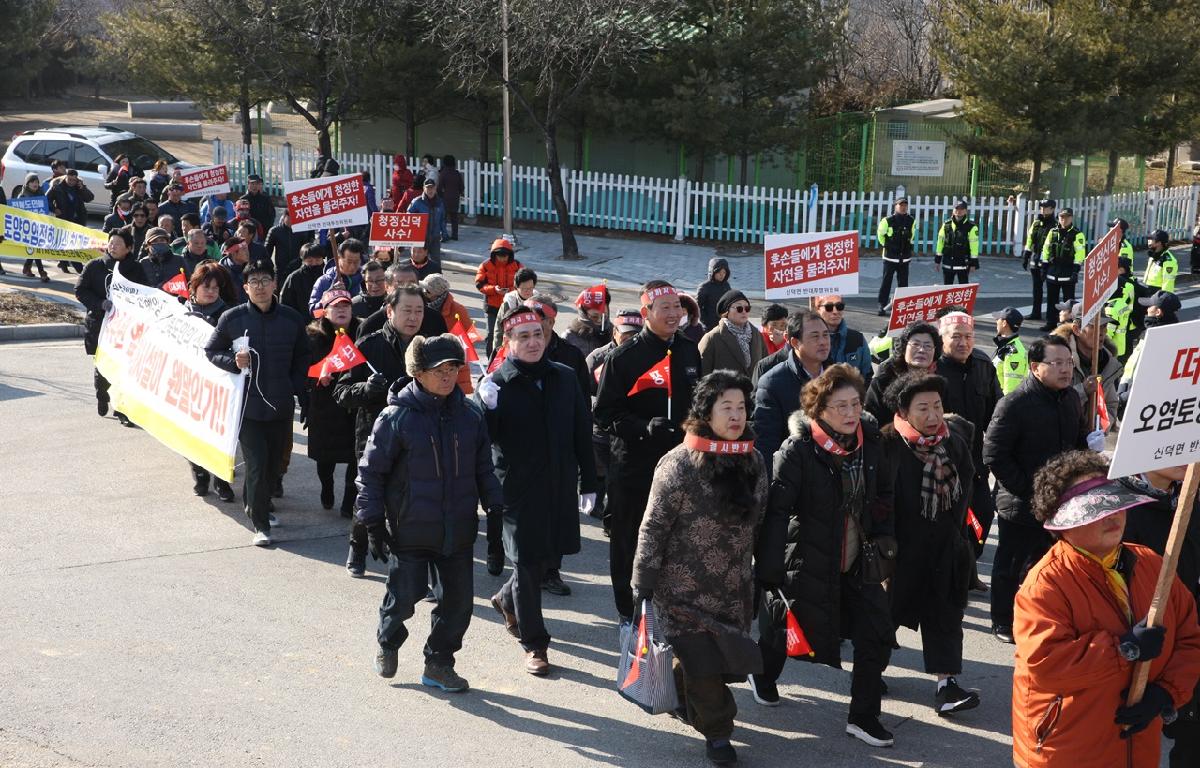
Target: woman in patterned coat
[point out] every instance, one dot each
(698, 555)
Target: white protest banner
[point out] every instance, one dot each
(152, 353)
(209, 180)
(1100, 273)
(327, 202)
(811, 265)
(920, 303)
(29, 235)
(398, 230)
(1161, 427)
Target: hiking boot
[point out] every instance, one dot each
(495, 564)
(443, 677)
(764, 691)
(720, 752)
(200, 488)
(224, 492)
(951, 698)
(510, 619)
(356, 563)
(552, 582)
(386, 661)
(536, 663)
(867, 728)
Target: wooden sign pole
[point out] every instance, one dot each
(1093, 404)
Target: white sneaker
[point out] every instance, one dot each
(261, 539)
(274, 521)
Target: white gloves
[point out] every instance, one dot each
(1095, 440)
(587, 502)
(489, 392)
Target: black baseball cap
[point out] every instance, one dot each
(1161, 235)
(1010, 315)
(961, 205)
(1067, 212)
(1164, 300)
(254, 177)
(1048, 202)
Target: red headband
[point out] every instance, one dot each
(521, 319)
(663, 290)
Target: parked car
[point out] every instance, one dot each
(88, 149)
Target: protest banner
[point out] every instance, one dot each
(1100, 273)
(152, 352)
(811, 265)
(36, 236)
(1161, 429)
(920, 303)
(398, 230)
(209, 180)
(328, 202)
(33, 204)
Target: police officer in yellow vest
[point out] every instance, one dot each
(957, 251)
(1161, 309)
(895, 235)
(1161, 264)
(1126, 246)
(1031, 258)
(1011, 360)
(1063, 253)
(1119, 308)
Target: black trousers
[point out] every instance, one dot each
(963, 276)
(601, 449)
(407, 584)
(101, 385)
(892, 268)
(1056, 293)
(1017, 548)
(452, 216)
(941, 637)
(706, 699)
(263, 444)
(522, 595)
(201, 478)
(627, 497)
(869, 613)
(984, 507)
(325, 474)
(1039, 280)
(492, 312)
(1185, 752)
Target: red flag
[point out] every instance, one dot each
(599, 370)
(1102, 407)
(658, 377)
(177, 286)
(471, 333)
(643, 647)
(344, 356)
(976, 526)
(797, 643)
(497, 358)
(464, 337)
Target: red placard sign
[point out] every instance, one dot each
(398, 230)
(327, 202)
(209, 180)
(919, 304)
(1100, 273)
(811, 265)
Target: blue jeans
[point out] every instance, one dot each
(408, 583)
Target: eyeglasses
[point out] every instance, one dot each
(1057, 363)
(845, 407)
(920, 346)
(260, 282)
(831, 307)
(740, 308)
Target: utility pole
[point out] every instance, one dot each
(508, 177)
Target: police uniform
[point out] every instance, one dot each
(957, 250)
(1161, 269)
(1062, 255)
(1011, 361)
(895, 234)
(1035, 238)
(1119, 309)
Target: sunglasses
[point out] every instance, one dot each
(740, 308)
(831, 307)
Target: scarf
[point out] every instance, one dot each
(939, 480)
(713, 445)
(536, 371)
(742, 335)
(834, 442)
(438, 302)
(1116, 582)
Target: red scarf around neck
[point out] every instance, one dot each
(827, 443)
(914, 436)
(712, 445)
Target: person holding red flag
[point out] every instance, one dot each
(330, 426)
(701, 530)
(643, 426)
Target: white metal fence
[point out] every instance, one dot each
(684, 209)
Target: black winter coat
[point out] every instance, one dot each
(330, 426)
(384, 349)
(432, 324)
(776, 398)
(298, 287)
(160, 270)
(91, 289)
(559, 351)
(280, 361)
(972, 391)
(426, 468)
(710, 292)
(585, 336)
(177, 210)
(777, 357)
(261, 209)
(807, 492)
(69, 202)
(542, 448)
(283, 249)
(364, 306)
(1031, 425)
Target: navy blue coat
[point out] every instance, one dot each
(775, 399)
(426, 466)
(280, 365)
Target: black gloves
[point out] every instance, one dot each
(1155, 703)
(1149, 641)
(380, 541)
(660, 427)
(377, 383)
(1025, 256)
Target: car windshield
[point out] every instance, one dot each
(141, 152)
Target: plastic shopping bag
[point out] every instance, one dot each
(644, 674)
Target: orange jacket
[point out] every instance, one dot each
(494, 279)
(1069, 671)
(450, 308)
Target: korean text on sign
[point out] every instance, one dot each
(810, 265)
(1100, 273)
(326, 203)
(209, 180)
(398, 230)
(920, 304)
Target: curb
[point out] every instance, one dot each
(40, 331)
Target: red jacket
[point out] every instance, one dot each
(494, 279)
(1069, 672)
(402, 180)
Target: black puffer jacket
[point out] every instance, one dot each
(559, 351)
(161, 267)
(384, 349)
(330, 426)
(1031, 425)
(426, 467)
(279, 363)
(91, 289)
(972, 391)
(807, 491)
(710, 292)
(297, 287)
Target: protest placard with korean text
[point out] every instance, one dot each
(1100, 273)
(327, 202)
(811, 265)
(920, 303)
(28, 235)
(398, 230)
(209, 180)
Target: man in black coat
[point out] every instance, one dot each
(68, 199)
(268, 339)
(1035, 422)
(425, 470)
(175, 206)
(299, 283)
(643, 425)
(283, 245)
(542, 445)
(92, 292)
(433, 324)
(777, 395)
(261, 208)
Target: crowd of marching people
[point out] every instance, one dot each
(769, 491)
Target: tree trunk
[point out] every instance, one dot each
(744, 157)
(410, 127)
(485, 134)
(1035, 178)
(1110, 179)
(243, 105)
(1171, 155)
(324, 145)
(554, 171)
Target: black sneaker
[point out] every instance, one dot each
(552, 582)
(326, 496)
(224, 492)
(867, 728)
(883, 312)
(951, 698)
(720, 752)
(1004, 634)
(764, 691)
(356, 563)
(200, 489)
(386, 661)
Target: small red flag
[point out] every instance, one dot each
(177, 286)
(344, 356)
(976, 526)
(497, 358)
(797, 643)
(464, 337)
(658, 377)
(643, 647)
(1102, 407)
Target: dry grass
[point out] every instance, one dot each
(20, 308)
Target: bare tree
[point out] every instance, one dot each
(887, 57)
(556, 47)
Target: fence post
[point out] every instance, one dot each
(286, 167)
(814, 199)
(681, 207)
(1105, 211)
(1152, 209)
(471, 187)
(1190, 212)
(216, 146)
(1018, 226)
